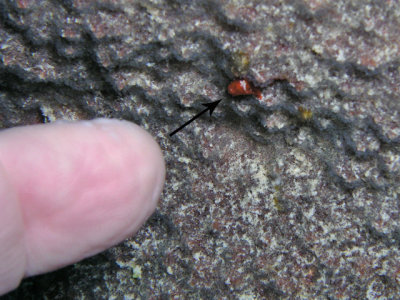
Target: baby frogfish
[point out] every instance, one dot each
(240, 87)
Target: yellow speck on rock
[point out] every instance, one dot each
(241, 63)
(278, 205)
(305, 113)
(136, 272)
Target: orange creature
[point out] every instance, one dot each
(240, 87)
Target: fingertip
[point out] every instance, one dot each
(83, 186)
(151, 163)
(149, 166)
(12, 251)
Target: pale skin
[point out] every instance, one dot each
(70, 190)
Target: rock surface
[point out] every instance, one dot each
(293, 195)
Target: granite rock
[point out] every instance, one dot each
(295, 195)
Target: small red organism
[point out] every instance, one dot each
(240, 87)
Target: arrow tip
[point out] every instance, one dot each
(212, 105)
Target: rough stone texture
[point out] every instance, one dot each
(293, 196)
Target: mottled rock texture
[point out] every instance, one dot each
(295, 195)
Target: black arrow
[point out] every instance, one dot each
(209, 106)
